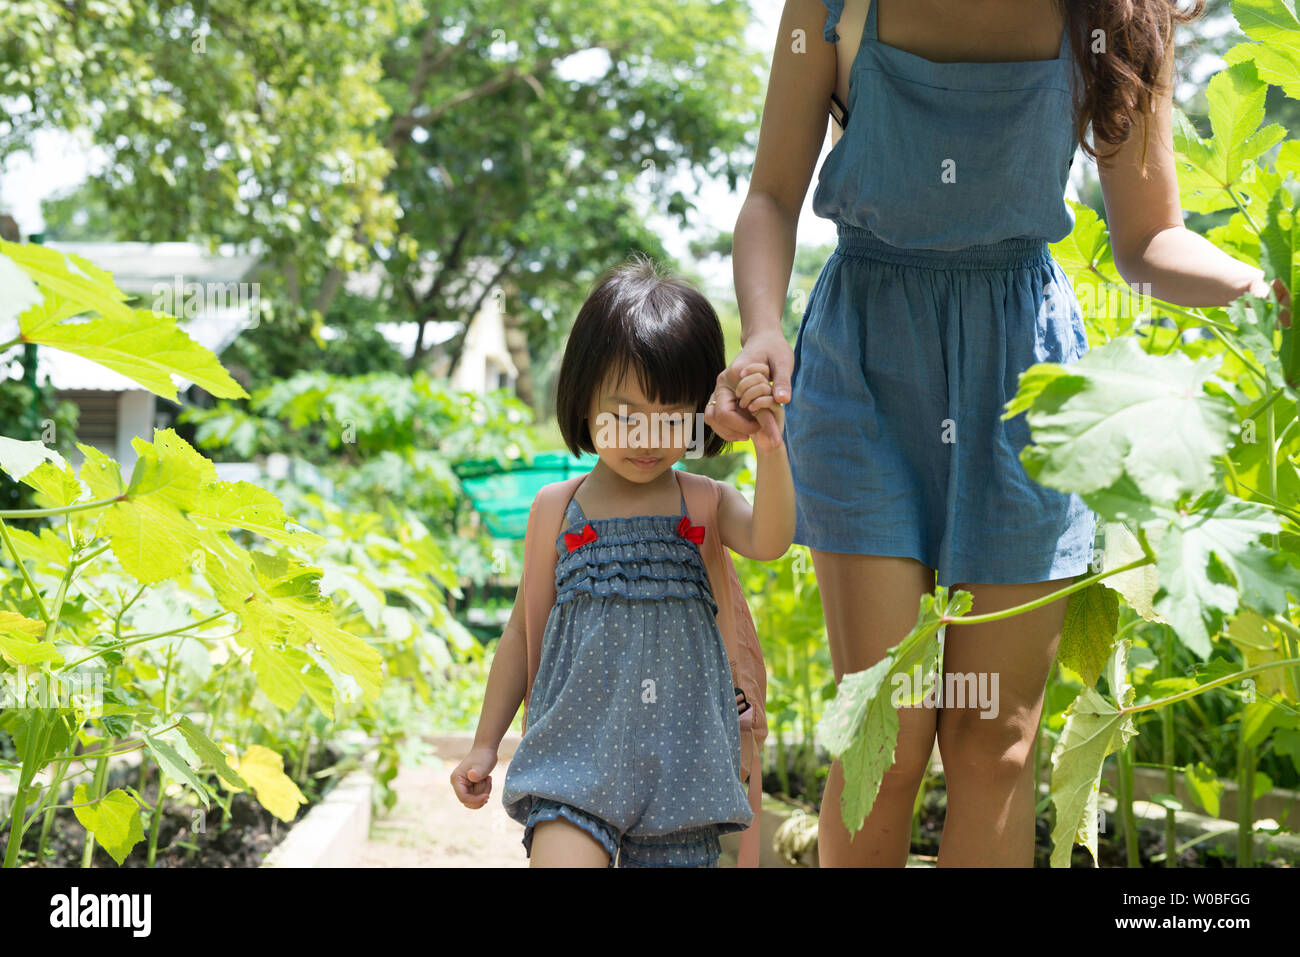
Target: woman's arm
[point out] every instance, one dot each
(1148, 239)
(795, 117)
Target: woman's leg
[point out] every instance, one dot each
(988, 762)
(870, 603)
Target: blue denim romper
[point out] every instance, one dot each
(632, 732)
(946, 186)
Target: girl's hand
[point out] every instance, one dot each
(1260, 288)
(754, 394)
(472, 779)
(725, 415)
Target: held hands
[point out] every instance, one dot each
(735, 422)
(472, 778)
(756, 395)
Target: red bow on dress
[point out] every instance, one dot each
(694, 532)
(575, 540)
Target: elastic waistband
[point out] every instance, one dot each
(1006, 254)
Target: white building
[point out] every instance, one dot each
(484, 363)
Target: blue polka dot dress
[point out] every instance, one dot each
(632, 717)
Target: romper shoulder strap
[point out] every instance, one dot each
(537, 583)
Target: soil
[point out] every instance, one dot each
(187, 836)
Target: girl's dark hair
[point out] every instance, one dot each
(659, 325)
(1120, 85)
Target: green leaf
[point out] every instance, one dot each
(18, 458)
(1211, 172)
(144, 346)
(1274, 25)
(203, 746)
(1139, 585)
(860, 725)
(17, 292)
(227, 505)
(57, 483)
(1258, 721)
(69, 276)
(175, 767)
(1094, 728)
(1220, 533)
(18, 649)
(1204, 785)
(114, 820)
(101, 474)
(1120, 411)
(1091, 620)
(1280, 259)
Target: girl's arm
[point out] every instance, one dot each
(765, 530)
(1144, 214)
(506, 681)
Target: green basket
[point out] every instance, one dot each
(503, 494)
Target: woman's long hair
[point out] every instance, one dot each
(1120, 84)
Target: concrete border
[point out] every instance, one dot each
(333, 832)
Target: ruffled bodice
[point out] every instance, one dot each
(645, 556)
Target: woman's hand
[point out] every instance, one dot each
(1260, 288)
(726, 416)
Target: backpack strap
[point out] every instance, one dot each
(745, 654)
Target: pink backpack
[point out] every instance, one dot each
(748, 671)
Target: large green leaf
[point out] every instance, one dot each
(1091, 620)
(1219, 533)
(860, 726)
(70, 277)
(175, 767)
(1274, 25)
(18, 457)
(206, 749)
(1118, 411)
(1094, 728)
(114, 820)
(1211, 172)
(146, 347)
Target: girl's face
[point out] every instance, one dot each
(636, 438)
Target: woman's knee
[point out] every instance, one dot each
(999, 747)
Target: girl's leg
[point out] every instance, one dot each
(561, 843)
(988, 762)
(870, 603)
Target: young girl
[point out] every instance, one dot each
(631, 756)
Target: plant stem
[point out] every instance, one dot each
(156, 818)
(97, 792)
(1167, 747)
(55, 785)
(22, 570)
(61, 510)
(1245, 799)
(1046, 599)
(1126, 806)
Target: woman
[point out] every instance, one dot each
(960, 122)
